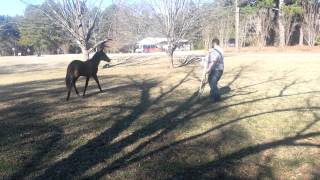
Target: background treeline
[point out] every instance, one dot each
(262, 23)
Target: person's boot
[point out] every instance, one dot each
(217, 99)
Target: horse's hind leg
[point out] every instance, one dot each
(69, 87)
(74, 86)
(85, 87)
(68, 96)
(96, 79)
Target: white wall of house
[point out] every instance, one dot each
(162, 44)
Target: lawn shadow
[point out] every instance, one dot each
(222, 164)
(135, 61)
(28, 121)
(101, 147)
(22, 68)
(106, 148)
(225, 90)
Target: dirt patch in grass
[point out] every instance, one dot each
(149, 123)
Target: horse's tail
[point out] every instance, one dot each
(69, 78)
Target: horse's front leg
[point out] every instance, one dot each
(85, 87)
(95, 77)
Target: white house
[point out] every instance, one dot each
(158, 44)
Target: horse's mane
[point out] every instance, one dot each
(95, 56)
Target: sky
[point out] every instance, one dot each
(12, 7)
(16, 7)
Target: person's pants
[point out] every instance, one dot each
(213, 80)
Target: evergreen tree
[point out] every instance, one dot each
(40, 33)
(9, 36)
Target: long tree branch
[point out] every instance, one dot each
(99, 43)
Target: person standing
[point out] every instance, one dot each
(215, 69)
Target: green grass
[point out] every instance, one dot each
(149, 124)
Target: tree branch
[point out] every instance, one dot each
(99, 43)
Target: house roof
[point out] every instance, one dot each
(155, 40)
(152, 40)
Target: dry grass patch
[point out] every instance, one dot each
(149, 124)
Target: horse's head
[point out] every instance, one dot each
(101, 54)
(104, 57)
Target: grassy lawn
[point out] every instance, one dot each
(149, 123)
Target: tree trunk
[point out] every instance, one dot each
(171, 57)
(170, 54)
(85, 52)
(301, 37)
(171, 48)
(281, 26)
(207, 42)
(237, 25)
(259, 34)
(65, 48)
(282, 40)
(310, 42)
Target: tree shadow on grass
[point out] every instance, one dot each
(197, 171)
(220, 164)
(18, 132)
(23, 126)
(136, 61)
(21, 68)
(101, 148)
(105, 146)
(28, 124)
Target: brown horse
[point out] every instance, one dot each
(87, 68)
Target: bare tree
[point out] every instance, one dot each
(177, 18)
(76, 18)
(291, 15)
(311, 18)
(218, 24)
(207, 22)
(264, 25)
(127, 23)
(247, 29)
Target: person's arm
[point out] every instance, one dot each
(212, 63)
